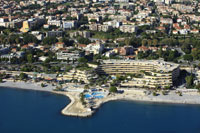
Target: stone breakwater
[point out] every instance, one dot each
(75, 107)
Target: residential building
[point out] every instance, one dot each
(69, 24)
(128, 28)
(114, 24)
(79, 75)
(54, 22)
(95, 48)
(99, 27)
(70, 56)
(54, 33)
(85, 34)
(59, 45)
(31, 23)
(155, 72)
(126, 50)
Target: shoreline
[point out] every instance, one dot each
(26, 86)
(75, 107)
(36, 87)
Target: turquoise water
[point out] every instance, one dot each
(97, 95)
(24, 111)
(87, 96)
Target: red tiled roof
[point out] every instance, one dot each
(25, 46)
(143, 48)
(58, 43)
(82, 45)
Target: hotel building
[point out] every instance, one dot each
(146, 73)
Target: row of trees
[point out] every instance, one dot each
(168, 55)
(29, 38)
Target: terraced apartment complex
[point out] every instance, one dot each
(145, 73)
(80, 75)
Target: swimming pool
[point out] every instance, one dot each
(88, 96)
(97, 93)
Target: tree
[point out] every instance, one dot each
(164, 92)
(113, 89)
(149, 42)
(68, 68)
(144, 42)
(17, 40)
(83, 40)
(169, 41)
(175, 17)
(196, 53)
(42, 85)
(188, 57)
(170, 55)
(82, 99)
(154, 93)
(134, 41)
(83, 20)
(160, 52)
(29, 38)
(198, 86)
(23, 76)
(59, 87)
(155, 42)
(30, 58)
(50, 40)
(67, 41)
(127, 42)
(2, 38)
(82, 60)
(86, 87)
(13, 38)
(186, 48)
(93, 20)
(189, 81)
(167, 87)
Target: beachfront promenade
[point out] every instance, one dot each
(75, 107)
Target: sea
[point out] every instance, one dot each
(25, 111)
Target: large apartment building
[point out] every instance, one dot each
(152, 73)
(71, 56)
(80, 75)
(100, 27)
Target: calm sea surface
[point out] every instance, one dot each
(23, 111)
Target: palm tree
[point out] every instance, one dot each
(86, 86)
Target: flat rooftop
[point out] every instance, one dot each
(161, 64)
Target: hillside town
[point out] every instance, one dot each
(102, 47)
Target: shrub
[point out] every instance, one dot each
(154, 93)
(164, 92)
(113, 89)
(42, 85)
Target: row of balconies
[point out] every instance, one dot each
(144, 85)
(152, 81)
